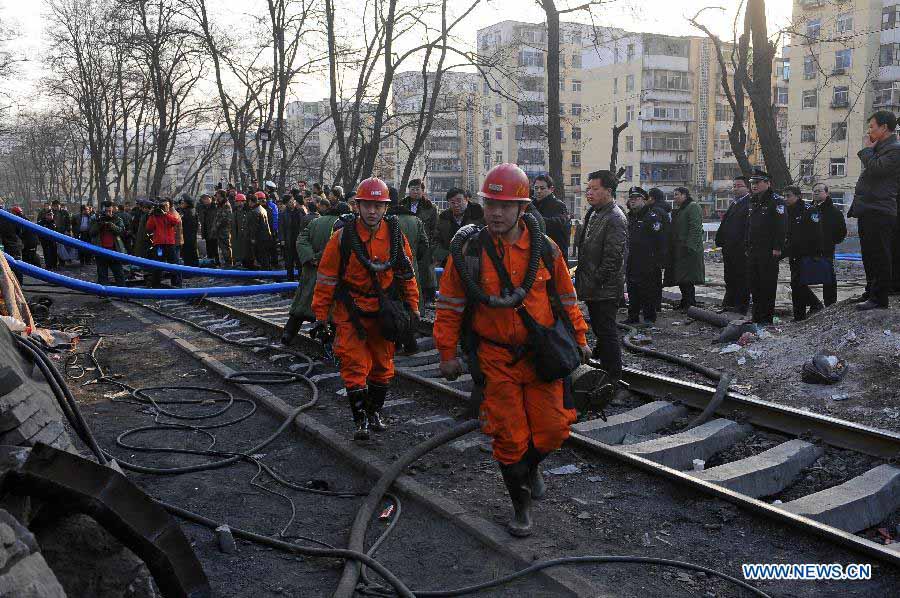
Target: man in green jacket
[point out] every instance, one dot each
(419, 241)
(311, 243)
(421, 206)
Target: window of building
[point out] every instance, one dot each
(532, 83)
(781, 96)
(615, 114)
(838, 167)
(530, 156)
(576, 133)
(562, 109)
(575, 180)
(810, 98)
(808, 133)
(629, 83)
(576, 109)
(486, 136)
(498, 133)
(839, 131)
(841, 96)
(576, 85)
(530, 132)
(809, 67)
(674, 80)
(629, 51)
(485, 87)
(629, 113)
(889, 55)
(669, 113)
(843, 59)
(616, 55)
(786, 69)
(576, 158)
(531, 58)
(629, 143)
(844, 22)
(890, 16)
(813, 28)
(576, 61)
(498, 109)
(498, 157)
(576, 37)
(615, 85)
(807, 168)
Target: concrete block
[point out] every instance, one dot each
(856, 504)
(642, 420)
(764, 474)
(678, 451)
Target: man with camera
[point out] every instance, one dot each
(106, 232)
(161, 223)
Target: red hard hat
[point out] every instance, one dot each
(259, 195)
(505, 182)
(373, 189)
(240, 197)
(16, 210)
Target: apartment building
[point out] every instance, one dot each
(668, 91)
(450, 155)
(513, 99)
(842, 57)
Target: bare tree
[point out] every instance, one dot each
(737, 66)
(759, 88)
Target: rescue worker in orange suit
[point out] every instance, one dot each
(347, 293)
(525, 416)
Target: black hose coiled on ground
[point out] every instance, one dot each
(473, 288)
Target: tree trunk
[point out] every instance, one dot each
(760, 91)
(554, 127)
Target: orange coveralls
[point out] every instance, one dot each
(371, 358)
(518, 407)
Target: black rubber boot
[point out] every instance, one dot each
(535, 479)
(374, 405)
(291, 328)
(515, 477)
(357, 400)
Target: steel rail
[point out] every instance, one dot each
(764, 414)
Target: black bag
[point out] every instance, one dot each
(553, 349)
(814, 270)
(395, 318)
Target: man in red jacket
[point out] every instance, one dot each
(161, 223)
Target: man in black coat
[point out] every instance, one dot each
(803, 239)
(554, 212)
(834, 231)
(766, 228)
(732, 238)
(294, 219)
(875, 205)
(648, 240)
(189, 226)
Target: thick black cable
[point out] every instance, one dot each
(631, 346)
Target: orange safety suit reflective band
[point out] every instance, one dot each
(371, 358)
(518, 407)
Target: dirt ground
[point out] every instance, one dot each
(603, 507)
(770, 368)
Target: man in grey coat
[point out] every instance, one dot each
(875, 205)
(600, 277)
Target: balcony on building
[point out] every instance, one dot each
(887, 96)
(663, 173)
(668, 85)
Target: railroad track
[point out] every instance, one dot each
(836, 514)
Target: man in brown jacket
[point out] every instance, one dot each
(600, 277)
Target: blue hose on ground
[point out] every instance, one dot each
(135, 260)
(141, 293)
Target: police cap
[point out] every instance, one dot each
(637, 192)
(759, 175)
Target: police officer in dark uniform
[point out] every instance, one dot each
(648, 230)
(766, 229)
(731, 237)
(803, 239)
